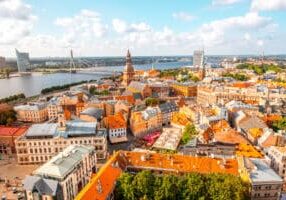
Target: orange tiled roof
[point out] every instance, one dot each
(248, 150)
(242, 84)
(122, 160)
(129, 98)
(12, 131)
(222, 132)
(105, 179)
(255, 132)
(116, 121)
(180, 119)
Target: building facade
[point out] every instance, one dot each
(116, 126)
(33, 112)
(42, 141)
(184, 89)
(8, 135)
(144, 122)
(265, 183)
(167, 110)
(277, 156)
(64, 176)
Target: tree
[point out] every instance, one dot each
(280, 124)
(189, 132)
(151, 101)
(144, 182)
(124, 188)
(193, 186)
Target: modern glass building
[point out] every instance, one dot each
(23, 61)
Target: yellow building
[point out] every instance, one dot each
(185, 89)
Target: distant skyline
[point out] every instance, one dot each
(147, 28)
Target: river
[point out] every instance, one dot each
(32, 85)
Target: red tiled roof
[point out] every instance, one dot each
(12, 131)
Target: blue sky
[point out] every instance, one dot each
(149, 27)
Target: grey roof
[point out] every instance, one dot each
(252, 122)
(94, 112)
(261, 172)
(43, 130)
(74, 128)
(137, 86)
(32, 106)
(64, 163)
(42, 185)
(168, 107)
(150, 112)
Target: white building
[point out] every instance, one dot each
(277, 156)
(42, 141)
(63, 176)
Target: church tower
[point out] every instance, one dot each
(128, 73)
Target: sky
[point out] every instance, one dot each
(47, 28)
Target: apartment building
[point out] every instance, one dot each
(63, 176)
(32, 112)
(265, 183)
(117, 128)
(277, 157)
(42, 141)
(146, 121)
(167, 110)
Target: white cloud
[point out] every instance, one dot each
(183, 16)
(260, 43)
(247, 36)
(16, 21)
(225, 2)
(85, 24)
(121, 26)
(268, 5)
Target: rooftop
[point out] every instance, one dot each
(116, 121)
(41, 185)
(169, 139)
(12, 131)
(32, 106)
(260, 172)
(63, 163)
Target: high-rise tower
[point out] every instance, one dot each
(128, 73)
(23, 61)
